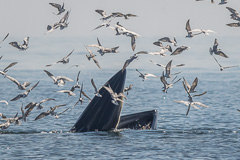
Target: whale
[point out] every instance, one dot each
(101, 114)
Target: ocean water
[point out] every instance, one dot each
(208, 133)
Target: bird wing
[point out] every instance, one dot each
(29, 108)
(58, 6)
(168, 67)
(217, 62)
(230, 66)
(99, 42)
(96, 62)
(220, 53)
(150, 75)
(68, 54)
(94, 86)
(165, 39)
(177, 51)
(200, 94)
(35, 85)
(158, 43)
(183, 102)
(109, 89)
(4, 101)
(188, 28)
(4, 38)
(133, 42)
(41, 115)
(15, 44)
(186, 84)
(17, 97)
(194, 84)
(10, 65)
(101, 12)
(25, 41)
(65, 18)
(200, 104)
(85, 95)
(13, 80)
(50, 75)
(139, 72)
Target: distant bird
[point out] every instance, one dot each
(167, 85)
(80, 99)
(190, 33)
(217, 51)
(123, 31)
(223, 2)
(168, 68)
(92, 56)
(21, 86)
(234, 24)
(128, 61)
(162, 51)
(64, 60)
(96, 91)
(221, 67)
(104, 15)
(234, 14)
(167, 39)
(49, 112)
(102, 50)
(4, 101)
(70, 93)
(4, 71)
(39, 104)
(191, 89)
(59, 7)
(126, 89)
(106, 24)
(59, 80)
(146, 75)
(22, 47)
(115, 97)
(126, 16)
(77, 84)
(179, 50)
(4, 38)
(25, 93)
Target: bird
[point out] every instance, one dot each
(234, 14)
(48, 112)
(179, 50)
(59, 7)
(4, 101)
(146, 75)
(128, 61)
(115, 96)
(191, 89)
(168, 68)
(106, 24)
(80, 99)
(95, 89)
(221, 67)
(126, 16)
(92, 56)
(234, 24)
(4, 71)
(167, 85)
(167, 39)
(190, 33)
(69, 92)
(21, 86)
(102, 50)
(104, 15)
(64, 60)
(76, 85)
(39, 104)
(59, 80)
(21, 47)
(126, 89)
(25, 93)
(217, 51)
(223, 2)
(63, 22)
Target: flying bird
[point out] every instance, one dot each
(64, 60)
(190, 33)
(179, 50)
(167, 85)
(128, 61)
(4, 38)
(191, 89)
(4, 71)
(92, 56)
(146, 75)
(59, 80)
(70, 93)
(21, 86)
(59, 7)
(222, 67)
(21, 47)
(217, 51)
(167, 39)
(95, 89)
(115, 97)
(126, 89)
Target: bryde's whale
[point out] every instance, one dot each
(103, 115)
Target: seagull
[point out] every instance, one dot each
(235, 15)
(4, 38)
(179, 50)
(190, 31)
(221, 67)
(95, 88)
(80, 99)
(92, 56)
(49, 112)
(168, 67)
(22, 47)
(167, 39)
(106, 24)
(126, 16)
(217, 51)
(115, 97)
(59, 7)
(102, 50)
(234, 24)
(59, 80)
(167, 85)
(77, 85)
(191, 89)
(122, 30)
(70, 93)
(64, 60)
(21, 86)
(128, 61)
(25, 93)
(6, 68)
(103, 14)
(146, 75)
(39, 104)
(126, 89)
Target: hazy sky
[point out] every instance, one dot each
(156, 19)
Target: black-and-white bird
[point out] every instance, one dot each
(59, 7)
(190, 33)
(127, 89)
(25, 93)
(64, 60)
(217, 51)
(167, 85)
(23, 46)
(191, 89)
(146, 75)
(92, 56)
(59, 80)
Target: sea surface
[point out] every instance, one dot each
(207, 133)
